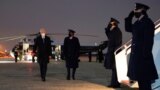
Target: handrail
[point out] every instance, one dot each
(156, 87)
(157, 25)
(124, 46)
(157, 22)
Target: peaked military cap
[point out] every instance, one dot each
(140, 6)
(70, 30)
(114, 20)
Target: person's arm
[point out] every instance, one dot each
(65, 47)
(128, 22)
(148, 38)
(50, 48)
(107, 29)
(35, 46)
(78, 48)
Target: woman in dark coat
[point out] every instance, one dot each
(141, 63)
(71, 52)
(114, 42)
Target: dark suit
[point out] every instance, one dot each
(141, 63)
(114, 42)
(43, 50)
(71, 52)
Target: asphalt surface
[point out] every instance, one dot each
(25, 76)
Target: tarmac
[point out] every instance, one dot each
(25, 75)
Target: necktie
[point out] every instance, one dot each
(43, 40)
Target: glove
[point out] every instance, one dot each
(109, 26)
(131, 14)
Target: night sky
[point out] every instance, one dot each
(21, 17)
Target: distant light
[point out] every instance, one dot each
(6, 51)
(7, 61)
(2, 48)
(95, 44)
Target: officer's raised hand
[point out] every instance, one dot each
(131, 15)
(108, 26)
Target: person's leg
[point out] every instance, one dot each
(33, 60)
(44, 70)
(144, 85)
(41, 71)
(114, 80)
(68, 73)
(15, 58)
(73, 73)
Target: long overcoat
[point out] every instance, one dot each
(114, 42)
(43, 49)
(141, 63)
(71, 52)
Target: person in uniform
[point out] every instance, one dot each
(141, 63)
(100, 55)
(114, 42)
(15, 50)
(42, 48)
(71, 52)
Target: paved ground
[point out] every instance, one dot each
(25, 76)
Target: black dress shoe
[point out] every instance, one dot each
(110, 86)
(114, 86)
(73, 77)
(68, 78)
(43, 79)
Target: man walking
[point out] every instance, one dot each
(42, 48)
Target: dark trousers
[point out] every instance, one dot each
(114, 79)
(16, 58)
(73, 73)
(33, 60)
(144, 85)
(43, 69)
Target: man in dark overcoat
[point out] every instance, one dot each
(114, 42)
(71, 52)
(141, 63)
(42, 48)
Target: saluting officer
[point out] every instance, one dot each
(114, 42)
(141, 63)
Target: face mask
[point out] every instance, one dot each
(43, 35)
(137, 14)
(69, 35)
